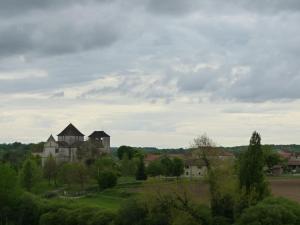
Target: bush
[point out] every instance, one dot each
(82, 216)
(271, 211)
(132, 212)
(106, 179)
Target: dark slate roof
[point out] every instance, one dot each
(70, 130)
(51, 138)
(98, 135)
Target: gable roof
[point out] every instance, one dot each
(98, 134)
(70, 130)
(51, 139)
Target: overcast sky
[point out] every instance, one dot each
(151, 72)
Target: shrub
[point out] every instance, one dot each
(106, 179)
(271, 211)
(132, 212)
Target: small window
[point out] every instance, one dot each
(187, 173)
(56, 150)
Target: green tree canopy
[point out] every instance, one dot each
(272, 211)
(50, 169)
(178, 167)
(129, 151)
(30, 174)
(141, 171)
(155, 168)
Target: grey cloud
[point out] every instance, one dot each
(9, 8)
(55, 39)
(178, 7)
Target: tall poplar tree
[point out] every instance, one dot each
(251, 173)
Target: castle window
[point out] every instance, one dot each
(56, 150)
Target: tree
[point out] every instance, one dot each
(271, 158)
(104, 163)
(128, 167)
(154, 168)
(80, 174)
(106, 179)
(271, 211)
(220, 177)
(65, 174)
(9, 191)
(167, 166)
(178, 167)
(129, 151)
(251, 175)
(50, 169)
(141, 171)
(30, 175)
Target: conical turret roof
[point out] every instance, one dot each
(51, 139)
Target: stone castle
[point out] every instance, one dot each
(71, 145)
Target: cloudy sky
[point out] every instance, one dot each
(151, 72)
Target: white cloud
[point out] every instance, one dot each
(23, 74)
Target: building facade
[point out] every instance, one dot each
(71, 146)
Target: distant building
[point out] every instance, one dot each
(193, 166)
(69, 143)
(292, 162)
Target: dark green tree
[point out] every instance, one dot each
(251, 175)
(50, 169)
(141, 171)
(129, 151)
(106, 179)
(9, 191)
(155, 168)
(128, 167)
(167, 166)
(272, 211)
(30, 175)
(271, 158)
(178, 167)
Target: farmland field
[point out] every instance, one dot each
(195, 189)
(286, 187)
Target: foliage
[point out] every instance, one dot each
(89, 151)
(73, 173)
(178, 167)
(105, 163)
(167, 166)
(65, 174)
(79, 174)
(154, 168)
(30, 175)
(132, 212)
(141, 170)
(251, 175)
(50, 169)
(81, 215)
(163, 210)
(271, 158)
(106, 179)
(271, 211)
(129, 151)
(9, 191)
(128, 166)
